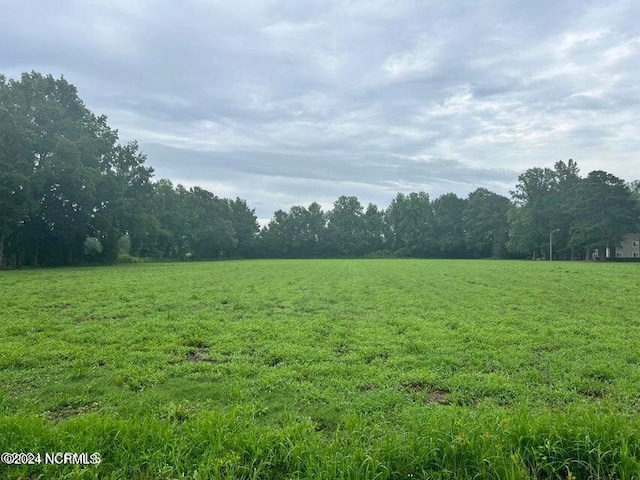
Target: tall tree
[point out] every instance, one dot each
(635, 191)
(274, 237)
(299, 233)
(245, 225)
(374, 229)
(532, 217)
(346, 227)
(487, 229)
(211, 231)
(58, 144)
(16, 182)
(450, 220)
(411, 223)
(126, 202)
(564, 200)
(317, 228)
(604, 212)
(171, 212)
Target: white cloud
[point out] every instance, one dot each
(418, 60)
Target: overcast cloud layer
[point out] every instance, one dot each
(285, 103)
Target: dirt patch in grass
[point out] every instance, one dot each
(414, 387)
(438, 396)
(70, 410)
(199, 352)
(431, 395)
(595, 396)
(200, 355)
(376, 356)
(197, 355)
(367, 387)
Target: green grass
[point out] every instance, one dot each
(324, 369)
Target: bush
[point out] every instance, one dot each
(124, 244)
(382, 254)
(92, 249)
(92, 246)
(126, 258)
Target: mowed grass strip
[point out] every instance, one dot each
(324, 368)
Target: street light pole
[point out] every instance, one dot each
(551, 243)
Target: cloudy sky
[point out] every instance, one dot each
(289, 102)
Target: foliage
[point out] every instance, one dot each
(346, 228)
(64, 180)
(450, 212)
(581, 213)
(65, 183)
(411, 224)
(605, 212)
(487, 223)
(299, 233)
(51, 155)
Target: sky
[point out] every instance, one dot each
(284, 103)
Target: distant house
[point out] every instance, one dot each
(629, 246)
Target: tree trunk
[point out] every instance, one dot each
(35, 252)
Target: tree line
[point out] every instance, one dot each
(71, 194)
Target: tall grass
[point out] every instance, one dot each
(430, 443)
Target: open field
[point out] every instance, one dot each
(324, 369)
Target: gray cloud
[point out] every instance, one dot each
(295, 177)
(279, 101)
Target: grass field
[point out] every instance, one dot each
(324, 369)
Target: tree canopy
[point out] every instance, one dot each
(71, 194)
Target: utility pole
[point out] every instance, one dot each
(551, 243)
